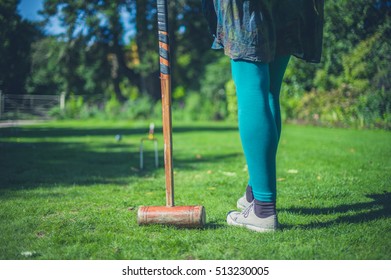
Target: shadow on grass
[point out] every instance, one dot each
(212, 225)
(379, 207)
(87, 161)
(47, 164)
(36, 132)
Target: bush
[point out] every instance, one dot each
(73, 105)
(232, 102)
(213, 99)
(343, 106)
(138, 109)
(77, 108)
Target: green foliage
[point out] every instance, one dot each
(76, 107)
(178, 93)
(139, 109)
(16, 37)
(232, 102)
(73, 106)
(94, 57)
(212, 91)
(351, 86)
(46, 77)
(357, 69)
(330, 108)
(374, 109)
(190, 109)
(112, 107)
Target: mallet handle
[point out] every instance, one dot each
(165, 81)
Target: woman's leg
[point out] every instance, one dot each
(276, 73)
(257, 126)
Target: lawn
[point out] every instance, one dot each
(70, 190)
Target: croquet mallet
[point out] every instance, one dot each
(180, 216)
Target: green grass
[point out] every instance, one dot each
(68, 190)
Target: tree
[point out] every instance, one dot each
(98, 25)
(16, 36)
(94, 23)
(352, 81)
(145, 44)
(347, 23)
(46, 77)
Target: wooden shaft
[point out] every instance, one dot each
(167, 134)
(165, 81)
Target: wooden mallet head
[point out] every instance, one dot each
(178, 216)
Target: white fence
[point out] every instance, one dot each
(17, 105)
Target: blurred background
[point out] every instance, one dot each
(86, 59)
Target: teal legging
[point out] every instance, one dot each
(258, 91)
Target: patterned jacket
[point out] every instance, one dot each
(258, 30)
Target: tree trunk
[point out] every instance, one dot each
(119, 69)
(141, 36)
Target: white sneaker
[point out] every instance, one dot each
(249, 220)
(242, 202)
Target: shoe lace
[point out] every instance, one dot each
(247, 211)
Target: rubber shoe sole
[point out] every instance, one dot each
(249, 220)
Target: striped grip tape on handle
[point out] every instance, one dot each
(164, 51)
